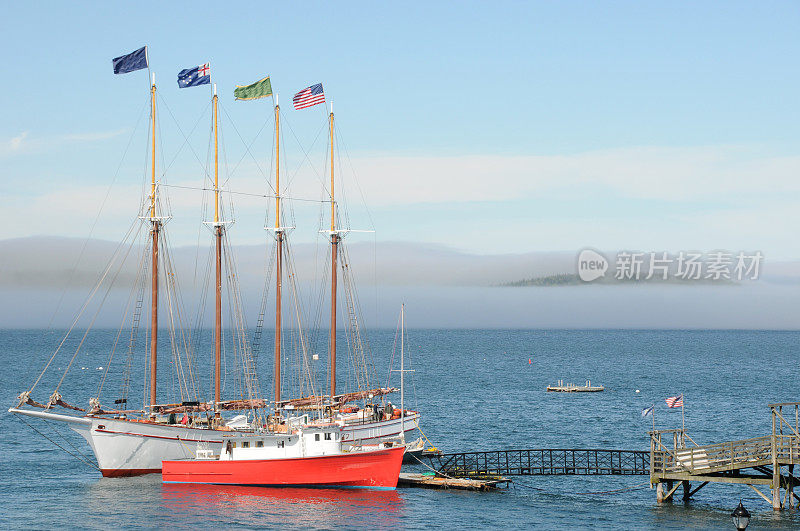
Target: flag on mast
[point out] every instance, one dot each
(648, 411)
(674, 401)
(136, 60)
(259, 89)
(192, 77)
(309, 97)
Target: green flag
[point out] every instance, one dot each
(259, 89)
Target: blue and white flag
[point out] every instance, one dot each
(131, 62)
(648, 411)
(192, 77)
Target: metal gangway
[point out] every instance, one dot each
(542, 462)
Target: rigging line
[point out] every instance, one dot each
(185, 138)
(394, 349)
(97, 217)
(267, 196)
(79, 457)
(248, 146)
(307, 370)
(169, 289)
(134, 289)
(58, 433)
(305, 152)
(247, 149)
(134, 332)
(83, 308)
(355, 176)
(184, 331)
(96, 314)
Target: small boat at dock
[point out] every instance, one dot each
(561, 387)
(306, 456)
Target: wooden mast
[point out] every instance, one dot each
(279, 253)
(334, 255)
(154, 267)
(402, 373)
(218, 284)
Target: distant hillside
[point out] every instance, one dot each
(563, 279)
(567, 279)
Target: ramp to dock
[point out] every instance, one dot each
(543, 462)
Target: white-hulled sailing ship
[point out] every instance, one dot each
(129, 441)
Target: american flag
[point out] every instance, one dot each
(675, 401)
(309, 96)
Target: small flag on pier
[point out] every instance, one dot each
(131, 62)
(309, 97)
(675, 401)
(648, 411)
(192, 77)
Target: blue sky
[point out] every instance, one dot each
(491, 126)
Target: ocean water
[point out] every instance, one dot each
(476, 389)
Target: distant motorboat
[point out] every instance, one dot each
(560, 387)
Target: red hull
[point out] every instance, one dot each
(377, 469)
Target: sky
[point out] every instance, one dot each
(497, 127)
(490, 128)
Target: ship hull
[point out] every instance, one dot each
(376, 469)
(130, 448)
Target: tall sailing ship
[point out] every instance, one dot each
(132, 441)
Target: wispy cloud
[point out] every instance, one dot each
(92, 137)
(665, 173)
(27, 143)
(16, 143)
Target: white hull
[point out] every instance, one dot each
(131, 448)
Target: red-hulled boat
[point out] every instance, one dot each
(309, 456)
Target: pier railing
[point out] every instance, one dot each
(754, 462)
(719, 457)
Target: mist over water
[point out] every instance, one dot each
(45, 281)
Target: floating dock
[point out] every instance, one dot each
(432, 481)
(560, 387)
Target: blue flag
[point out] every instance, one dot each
(191, 77)
(648, 411)
(131, 62)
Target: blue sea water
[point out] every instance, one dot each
(476, 390)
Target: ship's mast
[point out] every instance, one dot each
(154, 222)
(218, 285)
(279, 252)
(334, 255)
(402, 373)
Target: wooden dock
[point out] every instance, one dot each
(432, 481)
(675, 460)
